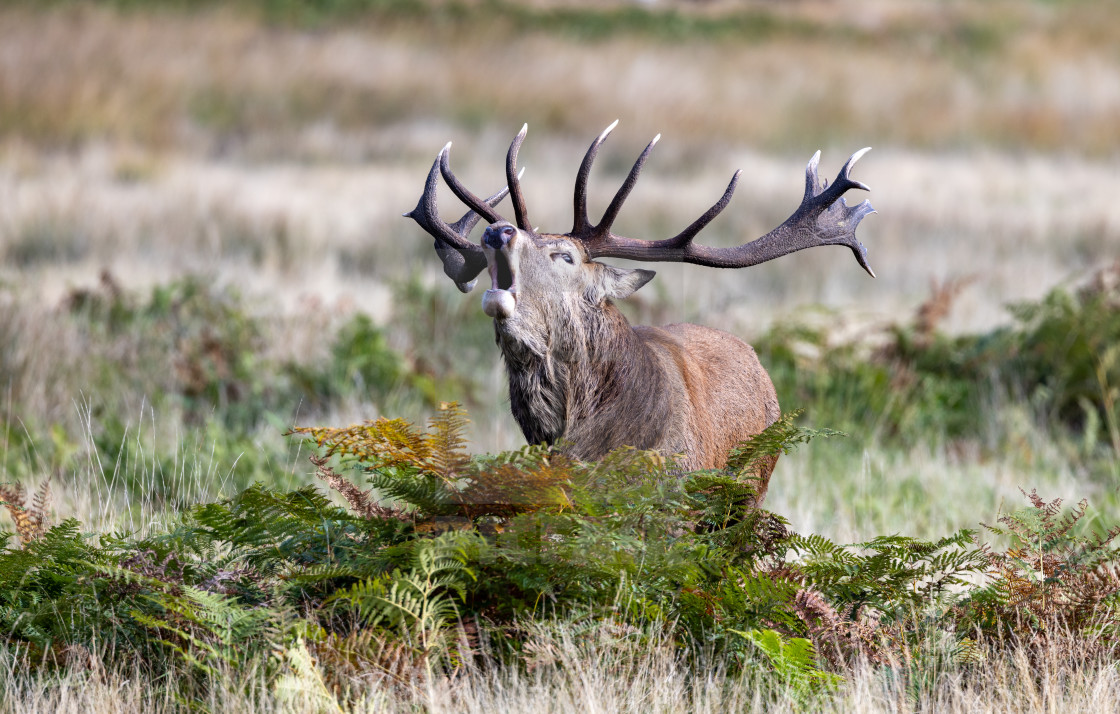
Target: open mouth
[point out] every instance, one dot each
(502, 272)
(500, 301)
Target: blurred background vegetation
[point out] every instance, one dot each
(201, 242)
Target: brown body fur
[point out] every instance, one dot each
(679, 389)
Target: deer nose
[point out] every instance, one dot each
(498, 235)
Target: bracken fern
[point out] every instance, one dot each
(438, 552)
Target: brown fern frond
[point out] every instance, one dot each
(526, 483)
(358, 500)
(1089, 591)
(769, 531)
(395, 442)
(1066, 524)
(398, 442)
(30, 521)
(938, 305)
(40, 507)
(1036, 500)
(12, 496)
(1107, 537)
(508, 489)
(384, 442)
(812, 609)
(837, 636)
(447, 441)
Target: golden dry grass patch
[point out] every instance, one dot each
(918, 73)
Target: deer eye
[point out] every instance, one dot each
(563, 256)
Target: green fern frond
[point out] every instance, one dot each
(794, 661)
(781, 437)
(419, 602)
(427, 495)
(211, 632)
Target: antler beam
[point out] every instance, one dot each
(823, 218)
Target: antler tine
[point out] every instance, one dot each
(848, 167)
(825, 193)
(685, 237)
(519, 210)
(464, 225)
(582, 224)
(426, 213)
(461, 192)
(811, 181)
(604, 226)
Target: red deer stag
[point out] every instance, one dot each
(579, 373)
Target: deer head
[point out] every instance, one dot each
(546, 290)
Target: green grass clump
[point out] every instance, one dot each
(584, 23)
(176, 393)
(1061, 356)
(581, 22)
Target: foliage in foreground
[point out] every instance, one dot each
(447, 554)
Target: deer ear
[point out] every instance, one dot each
(619, 283)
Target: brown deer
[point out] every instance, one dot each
(579, 374)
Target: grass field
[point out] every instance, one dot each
(201, 246)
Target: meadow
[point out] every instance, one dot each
(201, 247)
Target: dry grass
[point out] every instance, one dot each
(278, 158)
(298, 234)
(933, 74)
(593, 674)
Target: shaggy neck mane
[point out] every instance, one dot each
(580, 387)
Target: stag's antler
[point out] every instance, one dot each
(462, 260)
(823, 218)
